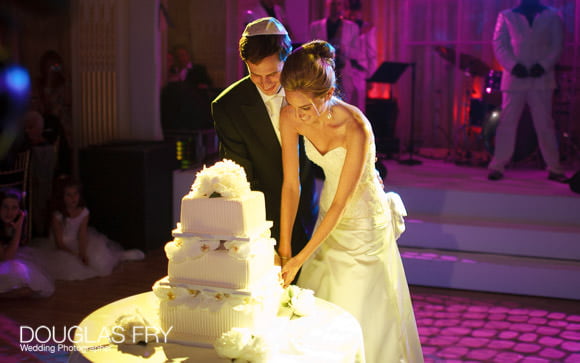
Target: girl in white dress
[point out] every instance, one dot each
(20, 273)
(352, 258)
(77, 251)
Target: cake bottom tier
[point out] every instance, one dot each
(195, 327)
(197, 315)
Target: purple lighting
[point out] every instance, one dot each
(458, 329)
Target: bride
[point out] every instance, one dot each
(352, 258)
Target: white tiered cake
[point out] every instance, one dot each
(221, 272)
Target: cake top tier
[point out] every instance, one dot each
(223, 179)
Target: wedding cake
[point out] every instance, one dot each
(221, 272)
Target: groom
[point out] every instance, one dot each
(246, 117)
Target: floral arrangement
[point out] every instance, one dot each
(131, 329)
(299, 301)
(224, 179)
(240, 345)
(181, 249)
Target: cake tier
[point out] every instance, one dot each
(223, 216)
(195, 314)
(231, 264)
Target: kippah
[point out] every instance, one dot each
(264, 26)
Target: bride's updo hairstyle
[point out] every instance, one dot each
(310, 69)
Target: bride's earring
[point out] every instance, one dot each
(329, 106)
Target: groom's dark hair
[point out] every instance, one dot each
(255, 48)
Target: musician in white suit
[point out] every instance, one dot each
(527, 43)
(343, 34)
(368, 50)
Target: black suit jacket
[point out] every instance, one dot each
(247, 137)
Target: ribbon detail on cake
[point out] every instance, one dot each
(225, 178)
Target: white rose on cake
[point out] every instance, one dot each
(224, 179)
(131, 329)
(240, 345)
(231, 343)
(299, 301)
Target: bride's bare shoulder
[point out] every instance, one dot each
(288, 116)
(286, 111)
(357, 121)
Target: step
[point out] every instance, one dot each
(492, 236)
(492, 273)
(553, 210)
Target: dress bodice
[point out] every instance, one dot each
(71, 228)
(367, 201)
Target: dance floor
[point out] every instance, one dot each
(454, 325)
(464, 326)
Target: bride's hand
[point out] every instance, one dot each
(289, 270)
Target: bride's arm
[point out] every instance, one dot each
(291, 183)
(357, 145)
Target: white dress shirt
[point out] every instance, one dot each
(274, 104)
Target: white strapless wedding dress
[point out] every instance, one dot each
(359, 266)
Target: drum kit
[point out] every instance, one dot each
(476, 139)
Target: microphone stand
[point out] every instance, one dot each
(410, 161)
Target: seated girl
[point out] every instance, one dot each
(20, 271)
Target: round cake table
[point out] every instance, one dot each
(330, 334)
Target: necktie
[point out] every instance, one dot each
(273, 105)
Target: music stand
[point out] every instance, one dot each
(390, 72)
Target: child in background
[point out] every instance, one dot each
(78, 251)
(20, 273)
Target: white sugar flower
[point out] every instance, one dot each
(240, 250)
(213, 301)
(205, 246)
(231, 344)
(193, 299)
(172, 295)
(174, 251)
(131, 329)
(183, 248)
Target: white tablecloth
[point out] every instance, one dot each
(329, 335)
